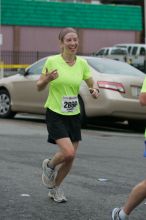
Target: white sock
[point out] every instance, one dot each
(123, 215)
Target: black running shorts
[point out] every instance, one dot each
(61, 126)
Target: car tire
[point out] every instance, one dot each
(82, 113)
(5, 105)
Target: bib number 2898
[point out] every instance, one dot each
(69, 104)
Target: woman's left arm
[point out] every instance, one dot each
(93, 89)
(142, 98)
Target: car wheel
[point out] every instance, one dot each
(5, 105)
(82, 113)
(137, 125)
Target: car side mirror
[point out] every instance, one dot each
(21, 71)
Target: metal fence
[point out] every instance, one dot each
(12, 60)
(22, 57)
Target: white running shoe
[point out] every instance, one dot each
(48, 175)
(57, 195)
(115, 214)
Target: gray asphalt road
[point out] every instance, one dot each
(107, 166)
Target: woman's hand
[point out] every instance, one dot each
(94, 92)
(46, 78)
(51, 76)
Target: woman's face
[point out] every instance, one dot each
(70, 43)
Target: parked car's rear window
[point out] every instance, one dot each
(113, 67)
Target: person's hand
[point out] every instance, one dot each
(94, 92)
(46, 78)
(52, 75)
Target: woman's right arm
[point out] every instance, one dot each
(42, 82)
(45, 79)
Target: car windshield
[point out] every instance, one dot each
(36, 68)
(109, 66)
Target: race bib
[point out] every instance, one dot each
(69, 103)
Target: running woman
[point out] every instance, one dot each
(64, 73)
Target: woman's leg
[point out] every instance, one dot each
(137, 195)
(64, 158)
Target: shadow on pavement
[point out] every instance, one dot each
(92, 124)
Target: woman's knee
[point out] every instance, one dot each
(67, 148)
(143, 184)
(69, 155)
(141, 187)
